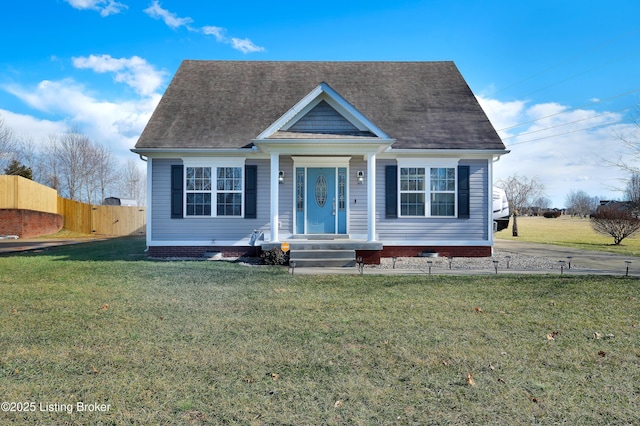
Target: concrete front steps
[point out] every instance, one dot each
(324, 250)
(328, 258)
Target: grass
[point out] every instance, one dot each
(570, 232)
(221, 343)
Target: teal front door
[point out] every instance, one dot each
(321, 201)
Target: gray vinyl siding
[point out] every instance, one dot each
(203, 230)
(209, 230)
(323, 118)
(437, 229)
(357, 223)
(285, 197)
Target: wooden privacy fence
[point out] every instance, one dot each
(103, 220)
(23, 194)
(19, 193)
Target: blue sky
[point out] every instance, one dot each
(558, 79)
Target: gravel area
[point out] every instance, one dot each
(515, 261)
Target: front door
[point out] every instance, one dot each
(321, 200)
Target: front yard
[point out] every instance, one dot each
(143, 342)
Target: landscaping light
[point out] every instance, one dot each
(495, 265)
(450, 259)
(508, 259)
(429, 262)
(628, 262)
(561, 262)
(360, 263)
(292, 263)
(393, 259)
(569, 260)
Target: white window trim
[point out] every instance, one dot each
(427, 164)
(214, 164)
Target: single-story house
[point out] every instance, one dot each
(377, 158)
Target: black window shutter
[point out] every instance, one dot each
(463, 192)
(250, 192)
(176, 191)
(391, 191)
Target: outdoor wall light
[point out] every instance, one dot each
(281, 177)
(360, 176)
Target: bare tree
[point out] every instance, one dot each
(616, 221)
(7, 144)
(579, 203)
(74, 153)
(632, 192)
(521, 192)
(133, 182)
(51, 161)
(542, 202)
(105, 171)
(630, 137)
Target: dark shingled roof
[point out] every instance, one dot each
(226, 104)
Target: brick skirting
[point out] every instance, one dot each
(29, 223)
(199, 251)
(370, 257)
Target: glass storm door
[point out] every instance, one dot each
(321, 201)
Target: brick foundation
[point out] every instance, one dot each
(199, 251)
(370, 257)
(444, 251)
(29, 223)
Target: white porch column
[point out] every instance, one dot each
(371, 197)
(275, 168)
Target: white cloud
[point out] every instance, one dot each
(116, 124)
(29, 127)
(245, 45)
(566, 149)
(218, 32)
(171, 19)
(105, 7)
(134, 72)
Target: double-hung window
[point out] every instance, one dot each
(427, 190)
(214, 190)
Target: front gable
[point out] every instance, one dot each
(323, 111)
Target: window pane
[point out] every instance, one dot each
(412, 179)
(198, 204)
(198, 178)
(229, 204)
(443, 179)
(229, 179)
(442, 204)
(412, 204)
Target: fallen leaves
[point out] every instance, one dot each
(553, 335)
(104, 307)
(478, 310)
(470, 380)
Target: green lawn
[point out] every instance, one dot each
(220, 343)
(568, 231)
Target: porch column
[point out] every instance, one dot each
(371, 197)
(275, 168)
